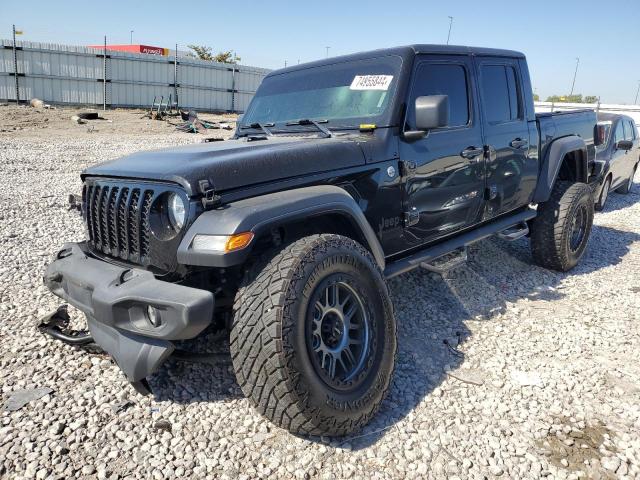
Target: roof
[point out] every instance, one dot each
(603, 116)
(406, 51)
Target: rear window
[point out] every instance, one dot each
(630, 130)
(500, 93)
(619, 133)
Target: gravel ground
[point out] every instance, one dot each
(542, 377)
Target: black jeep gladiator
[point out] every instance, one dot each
(341, 174)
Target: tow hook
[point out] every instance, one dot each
(56, 324)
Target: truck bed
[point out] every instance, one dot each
(554, 125)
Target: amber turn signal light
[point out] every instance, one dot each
(238, 241)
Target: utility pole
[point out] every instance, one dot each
(15, 66)
(574, 75)
(130, 37)
(327, 51)
(450, 25)
(637, 92)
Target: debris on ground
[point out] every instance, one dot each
(193, 124)
(470, 376)
(121, 406)
(36, 103)
(163, 425)
(20, 398)
(78, 120)
(89, 116)
(159, 110)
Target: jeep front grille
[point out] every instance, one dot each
(117, 216)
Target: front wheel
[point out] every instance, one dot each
(313, 339)
(560, 232)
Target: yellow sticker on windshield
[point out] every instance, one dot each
(371, 82)
(367, 126)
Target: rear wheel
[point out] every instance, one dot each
(313, 339)
(604, 194)
(560, 232)
(628, 185)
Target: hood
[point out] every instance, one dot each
(236, 163)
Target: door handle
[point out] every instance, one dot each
(519, 143)
(471, 153)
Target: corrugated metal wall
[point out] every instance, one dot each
(69, 74)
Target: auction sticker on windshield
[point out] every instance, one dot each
(371, 82)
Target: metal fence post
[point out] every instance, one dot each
(15, 66)
(175, 76)
(104, 75)
(233, 89)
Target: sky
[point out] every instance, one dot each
(604, 35)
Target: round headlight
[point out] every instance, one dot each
(177, 211)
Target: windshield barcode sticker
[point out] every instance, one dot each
(371, 82)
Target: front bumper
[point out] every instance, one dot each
(115, 301)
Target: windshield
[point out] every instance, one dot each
(345, 94)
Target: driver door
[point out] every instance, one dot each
(444, 171)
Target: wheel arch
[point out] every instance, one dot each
(292, 213)
(566, 159)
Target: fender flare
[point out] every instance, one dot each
(552, 161)
(260, 214)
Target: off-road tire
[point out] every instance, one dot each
(551, 230)
(271, 356)
(604, 195)
(626, 187)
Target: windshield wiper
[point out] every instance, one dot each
(259, 126)
(316, 123)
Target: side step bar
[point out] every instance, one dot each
(437, 265)
(427, 255)
(514, 233)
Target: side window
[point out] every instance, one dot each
(630, 131)
(439, 79)
(619, 133)
(514, 101)
(500, 93)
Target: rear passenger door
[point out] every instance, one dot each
(617, 164)
(511, 173)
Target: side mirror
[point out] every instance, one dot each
(624, 145)
(432, 111)
(600, 136)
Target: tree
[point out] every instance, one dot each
(536, 97)
(227, 57)
(206, 53)
(201, 52)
